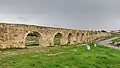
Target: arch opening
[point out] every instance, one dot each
(58, 39)
(82, 35)
(70, 38)
(77, 38)
(82, 38)
(33, 39)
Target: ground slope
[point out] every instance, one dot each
(65, 57)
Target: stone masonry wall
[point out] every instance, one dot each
(14, 35)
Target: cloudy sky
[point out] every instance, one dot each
(77, 14)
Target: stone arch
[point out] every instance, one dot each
(82, 37)
(58, 39)
(70, 38)
(36, 36)
(77, 38)
(88, 37)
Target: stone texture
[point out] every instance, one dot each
(14, 35)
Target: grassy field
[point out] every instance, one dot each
(65, 57)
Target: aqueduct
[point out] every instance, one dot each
(14, 35)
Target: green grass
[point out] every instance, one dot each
(116, 40)
(67, 57)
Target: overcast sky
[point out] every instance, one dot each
(77, 14)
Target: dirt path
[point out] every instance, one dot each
(106, 43)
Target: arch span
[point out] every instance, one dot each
(33, 38)
(82, 37)
(77, 38)
(58, 39)
(70, 38)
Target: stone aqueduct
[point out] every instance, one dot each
(14, 35)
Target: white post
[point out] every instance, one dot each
(95, 45)
(88, 47)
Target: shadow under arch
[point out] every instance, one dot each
(70, 38)
(33, 38)
(58, 39)
(82, 37)
(77, 38)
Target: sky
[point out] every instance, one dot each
(75, 14)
